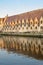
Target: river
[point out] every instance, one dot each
(21, 50)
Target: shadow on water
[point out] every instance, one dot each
(31, 47)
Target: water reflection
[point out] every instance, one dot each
(32, 47)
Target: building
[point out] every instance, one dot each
(27, 22)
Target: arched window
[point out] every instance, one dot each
(19, 28)
(28, 23)
(23, 28)
(21, 23)
(24, 22)
(41, 21)
(26, 27)
(31, 21)
(41, 27)
(36, 27)
(31, 27)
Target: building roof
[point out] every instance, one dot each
(32, 14)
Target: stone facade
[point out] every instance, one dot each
(32, 25)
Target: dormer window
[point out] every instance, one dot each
(31, 21)
(36, 20)
(17, 21)
(21, 21)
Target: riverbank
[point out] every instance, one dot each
(22, 34)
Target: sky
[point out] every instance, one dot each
(14, 7)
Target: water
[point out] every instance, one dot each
(21, 50)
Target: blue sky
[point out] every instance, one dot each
(13, 7)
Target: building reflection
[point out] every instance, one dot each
(32, 47)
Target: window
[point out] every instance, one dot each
(36, 22)
(20, 25)
(31, 27)
(23, 28)
(41, 27)
(31, 22)
(41, 22)
(19, 28)
(36, 27)
(16, 25)
(24, 21)
(24, 24)
(26, 27)
(17, 21)
(15, 28)
(21, 21)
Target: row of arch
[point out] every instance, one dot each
(23, 44)
(31, 21)
(23, 25)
